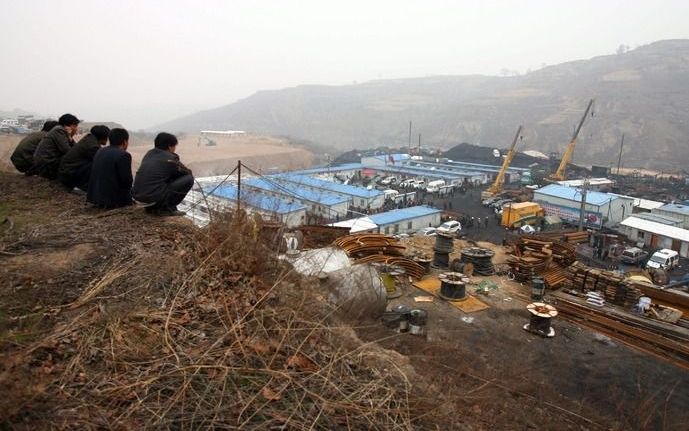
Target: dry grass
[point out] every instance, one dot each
(207, 330)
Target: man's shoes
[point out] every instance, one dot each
(164, 212)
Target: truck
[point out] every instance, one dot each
(515, 215)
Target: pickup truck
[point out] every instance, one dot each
(633, 255)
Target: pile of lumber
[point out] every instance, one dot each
(378, 248)
(543, 256)
(616, 289)
(577, 237)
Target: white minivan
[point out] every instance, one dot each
(434, 186)
(663, 259)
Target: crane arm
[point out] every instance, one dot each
(496, 187)
(569, 151)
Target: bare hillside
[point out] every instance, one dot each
(641, 93)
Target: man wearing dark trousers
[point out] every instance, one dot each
(162, 181)
(110, 182)
(75, 166)
(46, 159)
(22, 157)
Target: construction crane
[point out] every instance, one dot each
(559, 175)
(496, 187)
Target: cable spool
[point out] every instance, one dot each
(453, 286)
(387, 276)
(480, 258)
(417, 320)
(425, 262)
(442, 249)
(541, 315)
(403, 312)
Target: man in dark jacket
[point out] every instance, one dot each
(46, 159)
(75, 166)
(22, 157)
(162, 181)
(110, 182)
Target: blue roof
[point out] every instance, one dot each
(395, 157)
(675, 208)
(330, 186)
(257, 200)
(395, 216)
(574, 194)
(334, 168)
(291, 189)
(466, 165)
(420, 171)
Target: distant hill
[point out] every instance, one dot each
(643, 93)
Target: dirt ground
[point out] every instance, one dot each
(85, 296)
(262, 153)
(497, 376)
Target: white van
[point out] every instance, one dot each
(434, 186)
(663, 259)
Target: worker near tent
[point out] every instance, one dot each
(75, 166)
(110, 181)
(51, 149)
(22, 157)
(162, 181)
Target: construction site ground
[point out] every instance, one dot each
(502, 377)
(97, 331)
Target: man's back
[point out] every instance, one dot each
(82, 153)
(111, 178)
(50, 150)
(22, 157)
(158, 168)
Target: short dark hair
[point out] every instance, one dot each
(68, 120)
(48, 125)
(165, 140)
(118, 136)
(100, 132)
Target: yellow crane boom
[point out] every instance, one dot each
(559, 175)
(496, 187)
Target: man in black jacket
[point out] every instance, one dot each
(75, 166)
(46, 159)
(22, 157)
(110, 182)
(162, 181)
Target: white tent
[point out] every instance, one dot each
(361, 224)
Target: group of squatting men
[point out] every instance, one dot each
(103, 171)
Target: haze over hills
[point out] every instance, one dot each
(643, 93)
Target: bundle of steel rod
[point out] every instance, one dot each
(666, 341)
(577, 237)
(480, 258)
(537, 255)
(410, 267)
(613, 285)
(360, 245)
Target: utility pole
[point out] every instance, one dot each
(582, 210)
(619, 159)
(419, 145)
(410, 136)
(239, 184)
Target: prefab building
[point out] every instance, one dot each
(406, 220)
(198, 206)
(320, 205)
(677, 211)
(601, 209)
(359, 196)
(656, 235)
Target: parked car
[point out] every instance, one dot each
(633, 255)
(501, 203)
(489, 201)
(419, 184)
(389, 180)
(451, 226)
(663, 259)
(428, 231)
(407, 183)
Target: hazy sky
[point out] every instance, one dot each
(145, 62)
